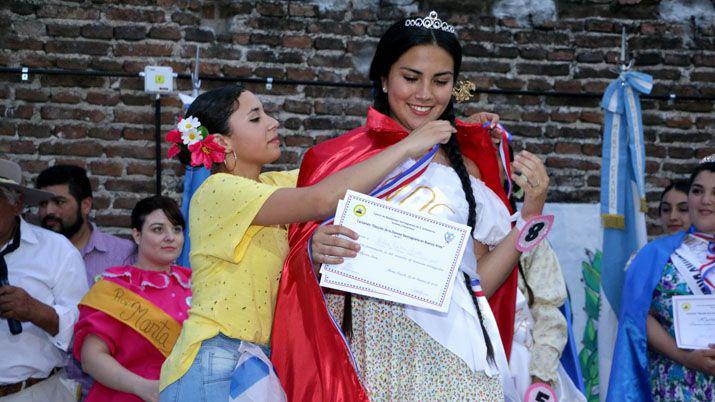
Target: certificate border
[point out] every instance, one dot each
(387, 204)
(677, 300)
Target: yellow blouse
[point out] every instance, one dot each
(235, 266)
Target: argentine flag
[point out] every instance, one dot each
(193, 177)
(254, 380)
(622, 202)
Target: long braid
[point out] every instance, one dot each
(454, 154)
(487, 340)
(347, 326)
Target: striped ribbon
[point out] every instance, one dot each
(623, 149)
(504, 155)
(477, 287)
(382, 191)
(709, 265)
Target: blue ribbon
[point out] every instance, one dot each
(623, 148)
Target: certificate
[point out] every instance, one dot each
(405, 256)
(694, 321)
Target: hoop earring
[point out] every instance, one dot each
(235, 159)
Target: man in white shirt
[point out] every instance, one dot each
(42, 279)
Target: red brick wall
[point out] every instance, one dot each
(106, 124)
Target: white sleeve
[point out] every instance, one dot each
(492, 223)
(69, 288)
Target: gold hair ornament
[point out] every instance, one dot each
(462, 92)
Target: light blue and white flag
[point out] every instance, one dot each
(193, 177)
(622, 201)
(254, 380)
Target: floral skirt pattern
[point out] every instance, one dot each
(671, 381)
(398, 361)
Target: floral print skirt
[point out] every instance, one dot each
(398, 361)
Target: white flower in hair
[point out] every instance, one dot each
(191, 136)
(188, 124)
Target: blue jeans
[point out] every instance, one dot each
(209, 376)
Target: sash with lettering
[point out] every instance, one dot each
(694, 260)
(136, 312)
(308, 350)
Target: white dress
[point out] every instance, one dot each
(431, 355)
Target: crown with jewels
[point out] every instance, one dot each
(707, 159)
(431, 21)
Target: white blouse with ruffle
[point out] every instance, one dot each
(438, 192)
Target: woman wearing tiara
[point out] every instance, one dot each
(393, 351)
(238, 237)
(648, 365)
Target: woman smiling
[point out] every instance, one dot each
(131, 318)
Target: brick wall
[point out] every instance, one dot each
(106, 124)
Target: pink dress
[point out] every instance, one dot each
(171, 291)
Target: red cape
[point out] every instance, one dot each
(308, 350)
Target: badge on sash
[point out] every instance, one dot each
(533, 232)
(540, 392)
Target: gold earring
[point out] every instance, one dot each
(234, 160)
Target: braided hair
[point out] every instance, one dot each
(454, 154)
(397, 40)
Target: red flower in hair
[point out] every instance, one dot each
(175, 137)
(206, 152)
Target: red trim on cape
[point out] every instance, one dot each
(307, 350)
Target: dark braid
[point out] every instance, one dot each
(530, 293)
(347, 326)
(454, 154)
(487, 341)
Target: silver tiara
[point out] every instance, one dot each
(707, 159)
(430, 22)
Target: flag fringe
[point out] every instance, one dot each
(613, 221)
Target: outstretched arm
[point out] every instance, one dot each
(495, 266)
(317, 202)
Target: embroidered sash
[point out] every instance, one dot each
(138, 313)
(687, 260)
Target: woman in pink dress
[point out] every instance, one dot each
(130, 319)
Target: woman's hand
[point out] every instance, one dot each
(147, 390)
(424, 137)
(702, 360)
(495, 132)
(530, 174)
(328, 248)
(483, 117)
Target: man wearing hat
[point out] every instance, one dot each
(42, 280)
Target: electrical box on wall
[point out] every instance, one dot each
(158, 80)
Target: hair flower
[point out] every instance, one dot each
(193, 144)
(188, 124)
(206, 152)
(191, 137)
